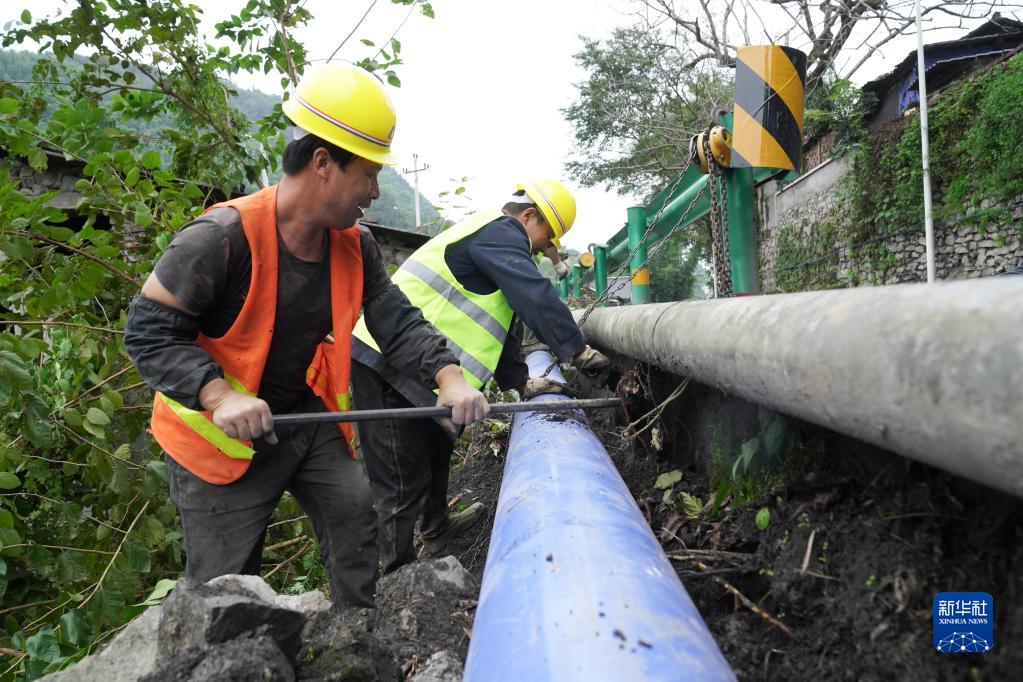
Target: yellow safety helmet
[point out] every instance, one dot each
(345, 106)
(555, 202)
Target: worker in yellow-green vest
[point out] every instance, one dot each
(471, 282)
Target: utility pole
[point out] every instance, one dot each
(415, 171)
(921, 67)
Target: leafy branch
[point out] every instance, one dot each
(85, 254)
(131, 108)
(120, 547)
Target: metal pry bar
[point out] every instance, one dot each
(442, 411)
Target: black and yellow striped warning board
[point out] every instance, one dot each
(767, 131)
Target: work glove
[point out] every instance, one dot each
(591, 361)
(541, 386)
(562, 269)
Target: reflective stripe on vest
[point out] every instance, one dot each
(448, 291)
(215, 436)
(314, 377)
(469, 364)
(475, 325)
(210, 432)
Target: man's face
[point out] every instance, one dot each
(352, 190)
(539, 232)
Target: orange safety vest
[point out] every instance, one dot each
(190, 436)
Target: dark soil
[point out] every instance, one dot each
(476, 477)
(861, 609)
(425, 608)
(887, 535)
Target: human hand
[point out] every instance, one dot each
(591, 361)
(236, 414)
(562, 269)
(466, 403)
(542, 386)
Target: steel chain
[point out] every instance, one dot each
(719, 246)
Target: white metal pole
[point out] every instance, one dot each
(921, 69)
(415, 182)
(415, 171)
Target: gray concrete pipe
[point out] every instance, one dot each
(933, 372)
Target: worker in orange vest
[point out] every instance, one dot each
(249, 313)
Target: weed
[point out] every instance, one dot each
(976, 143)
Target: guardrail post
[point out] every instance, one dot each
(640, 273)
(600, 270)
(742, 232)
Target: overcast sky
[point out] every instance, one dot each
(483, 86)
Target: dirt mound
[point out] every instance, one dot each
(842, 577)
(476, 477)
(426, 607)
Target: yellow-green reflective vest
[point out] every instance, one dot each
(476, 325)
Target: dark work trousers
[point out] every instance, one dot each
(407, 461)
(224, 525)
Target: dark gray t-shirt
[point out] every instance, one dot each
(197, 268)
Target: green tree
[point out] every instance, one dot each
(637, 110)
(149, 124)
(673, 272)
(17, 65)
(840, 108)
(635, 115)
(394, 208)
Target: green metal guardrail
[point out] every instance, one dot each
(684, 199)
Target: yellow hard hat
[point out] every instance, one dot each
(556, 204)
(345, 106)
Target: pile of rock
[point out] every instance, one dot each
(237, 628)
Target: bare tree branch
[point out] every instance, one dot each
(823, 29)
(352, 32)
(286, 44)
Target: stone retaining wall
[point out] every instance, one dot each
(797, 218)
(59, 175)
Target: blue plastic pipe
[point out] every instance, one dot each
(576, 587)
